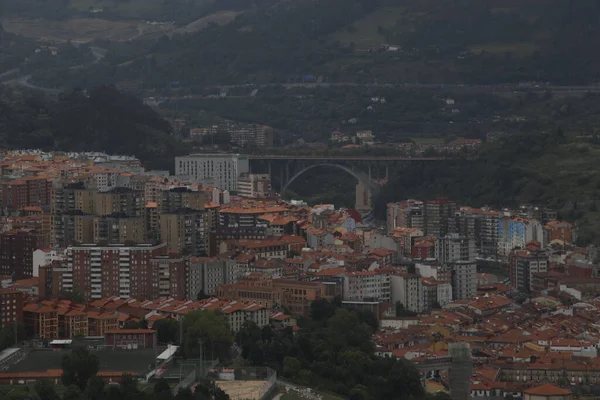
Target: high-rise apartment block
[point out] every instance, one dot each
(185, 231)
(114, 270)
(453, 247)
(438, 214)
(221, 170)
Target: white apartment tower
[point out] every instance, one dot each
(220, 170)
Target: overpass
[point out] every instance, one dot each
(370, 171)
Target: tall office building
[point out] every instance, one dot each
(453, 247)
(221, 170)
(185, 231)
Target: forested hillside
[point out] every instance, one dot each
(102, 120)
(435, 41)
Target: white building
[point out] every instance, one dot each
(464, 279)
(366, 285)
(43, 257)
(237, 313)
(454, 247)
(408, 290)
(254, 185)
(221, 170)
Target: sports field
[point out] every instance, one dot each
(133, 361)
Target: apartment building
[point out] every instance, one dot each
(481, 225)
(114, 270)
(221, 170)
(24, 192)
(464, 279)
(11, 307)
(523, 264)
(207, 274)
(72, 323)
(254, 185)
(40, 321)
(173, 274)
(16, 252)
(517, 232)
(454, 247)
(185, 231)
(366, 286)
(435, 293)
(238, 313)
(406, 214)
(438, 214)
(251, 135)
(407, 289)
(181, 198)
(118, 228)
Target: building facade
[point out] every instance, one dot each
(221, 170)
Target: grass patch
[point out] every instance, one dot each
(522, 49)
(364, 32)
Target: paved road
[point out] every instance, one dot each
(507, 90)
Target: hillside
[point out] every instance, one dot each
(102, 120)
(437, 41)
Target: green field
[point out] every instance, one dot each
(365, 31)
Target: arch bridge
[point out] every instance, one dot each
(370, 171)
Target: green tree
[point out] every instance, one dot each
(162, 390)
(72, 393)
(291, 366)
(167, 330)
(95, 388)
(78, 367)
(209, 328)
(45, 390)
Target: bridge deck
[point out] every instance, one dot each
(342, 158)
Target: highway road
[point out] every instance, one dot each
(506, 90)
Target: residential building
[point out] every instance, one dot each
(517, 232)
(405, 214)
(464, 279)
(523, 264)
(435, 293)
(251, 135)
(41, 257)
(207, 274)
(16, 252)
(238, 313)
(438, 214)
(366, 286)
(560, 230)
(254, 185)
(407, 289)
(27, 191)
(453, 247)
(481, 225)
(181, 198)
(40, 321)
(11, 307)
(118, 228)
(173, 274)
(222, 170)
(72, 323)
(185, 231)
(100, 322)
(114, 270)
